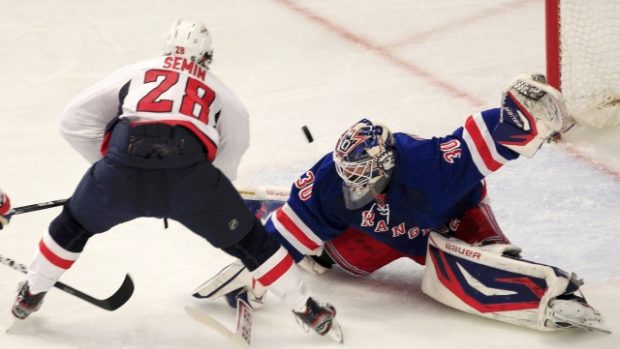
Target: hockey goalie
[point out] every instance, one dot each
(380, 196)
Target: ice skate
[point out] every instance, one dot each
(572, 311)
(26, 303)
(321, 318)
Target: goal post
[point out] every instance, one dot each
(583, 58)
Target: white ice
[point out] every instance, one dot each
(419, 66)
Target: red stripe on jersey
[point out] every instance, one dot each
(53, 258)
(481, 146)
(276, 272)
(286, 221)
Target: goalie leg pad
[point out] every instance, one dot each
(234, 279)
(484, 280)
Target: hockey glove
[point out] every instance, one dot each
(5, 210)
(532, 112)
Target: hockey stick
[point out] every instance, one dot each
(242, 337)
(120, 297)
(39, 206)
(262, 193)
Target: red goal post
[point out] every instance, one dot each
(583, 58)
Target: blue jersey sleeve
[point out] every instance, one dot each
(314, 212)
(447, 168)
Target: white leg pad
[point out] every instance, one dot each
(232, 277)
(481, 280)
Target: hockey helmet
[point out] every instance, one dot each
(190, 40)
(364, 154)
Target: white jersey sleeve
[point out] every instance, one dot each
(234, 130)
(84, 119)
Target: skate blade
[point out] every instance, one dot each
(590, 326)
(335, 332)
(13, 325)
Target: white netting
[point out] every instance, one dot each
(590, 60)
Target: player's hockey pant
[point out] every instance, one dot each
(358, 253)
(111, 192)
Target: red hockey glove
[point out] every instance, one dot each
(5, 210)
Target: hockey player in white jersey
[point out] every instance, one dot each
(5, 209)
(380, 196)
(165, 137)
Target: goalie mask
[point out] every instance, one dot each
(190, 40)
(364, 158)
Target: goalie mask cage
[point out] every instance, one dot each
(583, 58)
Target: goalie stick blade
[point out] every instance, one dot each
(115, 301)
(244, 320)
(206, 319)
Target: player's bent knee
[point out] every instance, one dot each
(68, 232)
(254, 248)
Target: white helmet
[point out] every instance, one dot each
(190, 40)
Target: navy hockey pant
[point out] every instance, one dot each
(197, 195)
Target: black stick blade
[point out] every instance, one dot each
(115, 301)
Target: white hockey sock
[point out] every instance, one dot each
(48, 264)
(280, 274)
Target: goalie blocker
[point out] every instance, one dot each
(491, 282)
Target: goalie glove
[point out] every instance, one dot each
(5, 209)
(532, 112)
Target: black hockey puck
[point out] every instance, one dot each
(307, 133)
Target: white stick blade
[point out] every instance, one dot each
(202, 317)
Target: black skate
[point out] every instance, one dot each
(321, 318)
(26, 303)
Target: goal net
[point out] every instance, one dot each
(583, 58)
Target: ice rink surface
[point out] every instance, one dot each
(419, 66)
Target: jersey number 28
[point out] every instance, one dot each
(195, 101)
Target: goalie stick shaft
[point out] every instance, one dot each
(120, 297)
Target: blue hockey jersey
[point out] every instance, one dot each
(433, 183)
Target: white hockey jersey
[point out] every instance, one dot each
(167, 89)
